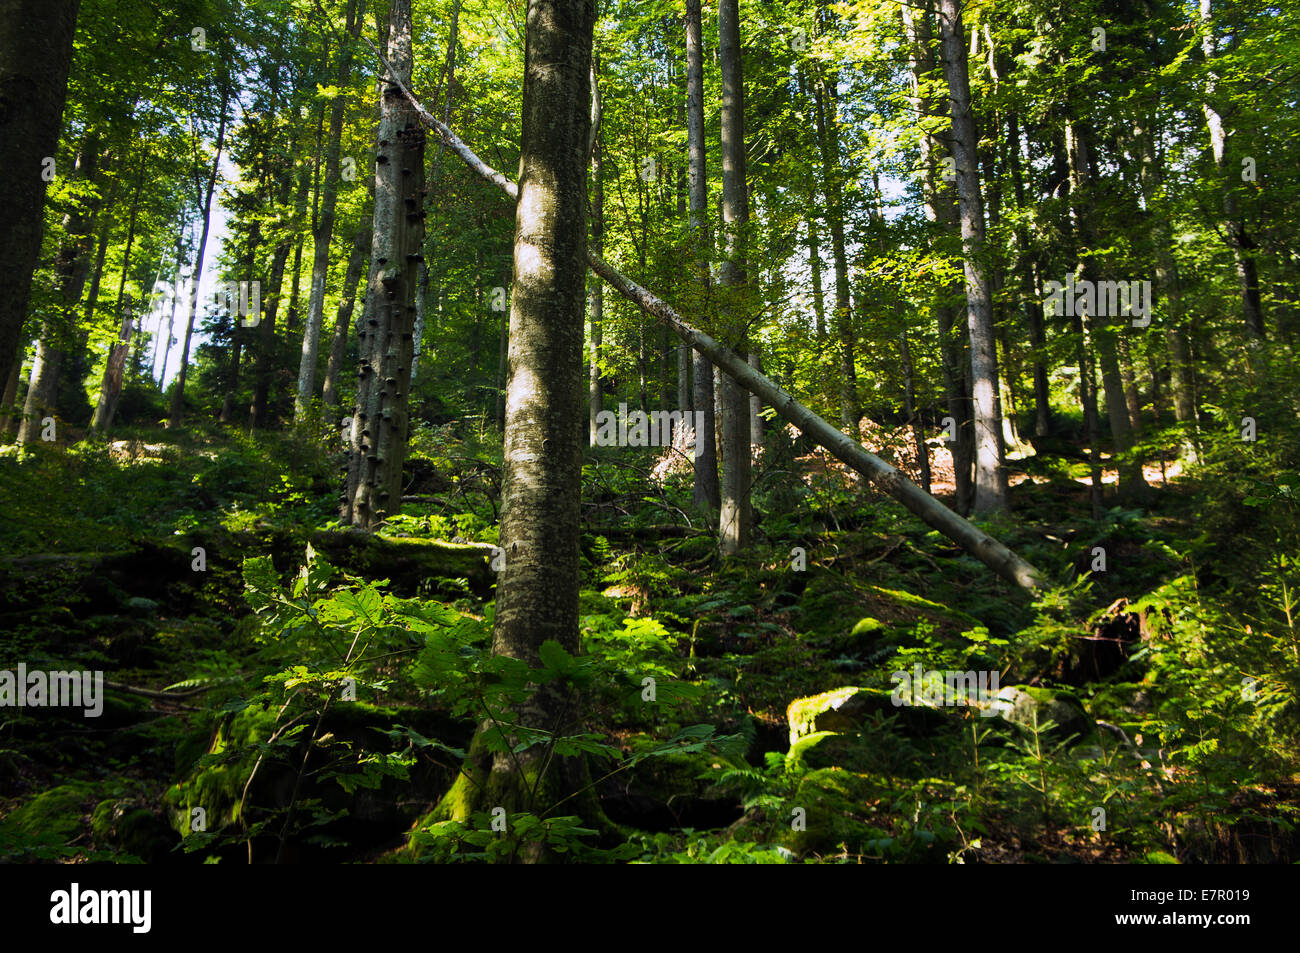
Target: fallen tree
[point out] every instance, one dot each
(884, 476)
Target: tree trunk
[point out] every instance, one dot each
(979, 544)
(913, 418)
(361, 243)
(70, 266)
(595, 397)
(707, 491)
(941, 208)
(35, 54)
(325, 224)
(828, 140)
(378, 434)
(177, 409)
(115, 368)
(1237, 238)
(537, 596)
(1102, 331)
(264, 366)
(990, 475)
(735, 516)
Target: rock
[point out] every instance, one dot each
(832, 807)
(1028, 707)
(42, 828)
(130, 827)
(848, 709)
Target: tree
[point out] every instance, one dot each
(990, 476)
(707, 494)
(35, 56)
(735, 515)
(377, 437)
(324, 231)
(537, 595)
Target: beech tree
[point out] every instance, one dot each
(537, 595)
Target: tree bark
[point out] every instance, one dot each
(378, 434)
(537, 596)
(707, 491)
(35, 55)
(735, 516)
(990, 474)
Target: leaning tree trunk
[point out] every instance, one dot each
(377, 438)
(990, 475)
(976, 542)
(35, 55)
(537, 596)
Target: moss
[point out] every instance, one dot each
(218, 786)
(802, 712)
(838, 810)
(56, 814)
(914, 601)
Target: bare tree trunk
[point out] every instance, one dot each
(177, 410)
(378, 434)
(57, 330)
(909, 407)
(990, 474)
(115, 368)
(1235, 231)
(361, 243)
(1102, 332)
(595, 397)
(707, 491)
(941, 208)
(735, 516)
(828, 140)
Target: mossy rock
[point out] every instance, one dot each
(411, 564)
(218, 786)
(850, 708)
(837, 808)
(128, 826)
(42, 827)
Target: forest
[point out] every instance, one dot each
(649, 432)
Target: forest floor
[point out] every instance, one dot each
(1144, 711)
